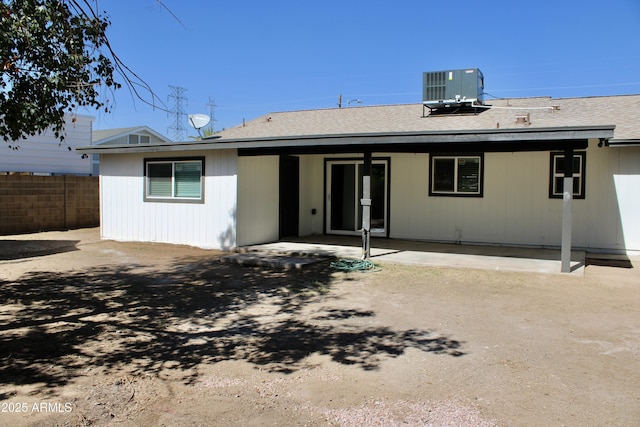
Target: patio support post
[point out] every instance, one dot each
(366, 206)
(567, 211)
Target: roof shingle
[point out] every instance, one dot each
(540, 112)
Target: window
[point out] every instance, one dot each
(179, 180)
(453, 175)
(139, 139)
(556, 180)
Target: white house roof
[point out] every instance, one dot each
(613, 118)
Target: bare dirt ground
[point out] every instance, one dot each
(126, 334)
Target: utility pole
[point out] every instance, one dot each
(212, 106)
(177, 113)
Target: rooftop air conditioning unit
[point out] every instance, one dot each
(456, 88)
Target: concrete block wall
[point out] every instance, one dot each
(31, 203)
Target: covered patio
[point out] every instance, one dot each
(427, 254)
(366, 146)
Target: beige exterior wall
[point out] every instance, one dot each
(311, 194)
(515, 208)
(258, 200)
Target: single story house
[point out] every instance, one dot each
(493, 174)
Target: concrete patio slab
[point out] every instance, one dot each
(429, 254)
(269, 259)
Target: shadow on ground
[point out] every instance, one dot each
(54, 327)
(18, 249)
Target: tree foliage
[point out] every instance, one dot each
(55, 58)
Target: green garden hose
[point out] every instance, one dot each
(357, 265)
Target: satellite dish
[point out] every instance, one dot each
(198, 121)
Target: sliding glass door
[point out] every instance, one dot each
(344, 191)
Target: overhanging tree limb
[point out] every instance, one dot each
(55, 57)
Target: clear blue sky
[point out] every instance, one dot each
(255, 57)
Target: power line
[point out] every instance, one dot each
(177, 112)
(212, 115)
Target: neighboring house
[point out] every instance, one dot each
(491, 176)
(46, 155)
(131, 135)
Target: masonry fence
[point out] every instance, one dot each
(30, 203)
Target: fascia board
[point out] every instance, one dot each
(461, 136)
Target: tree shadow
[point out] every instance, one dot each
(56, 326)
(19, 249)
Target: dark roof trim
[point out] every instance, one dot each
(623, 142)
(448, 147)
(356, 141)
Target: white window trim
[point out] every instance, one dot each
(582, 155)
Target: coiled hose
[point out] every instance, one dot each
(357, 265)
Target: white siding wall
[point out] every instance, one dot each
(45, 154)
(258, 193)
(126, 216)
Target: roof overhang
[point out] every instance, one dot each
(521, 139)
(623, 142)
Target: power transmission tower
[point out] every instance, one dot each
(178, 116)
(212, 106)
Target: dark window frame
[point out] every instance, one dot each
(456, 191)
(559, 175)
(173, 198)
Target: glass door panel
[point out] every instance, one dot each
(343, 191)
(344, 186)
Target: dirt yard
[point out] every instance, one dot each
(124, 334)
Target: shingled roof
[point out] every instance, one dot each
(518, 113)
(539, 123)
